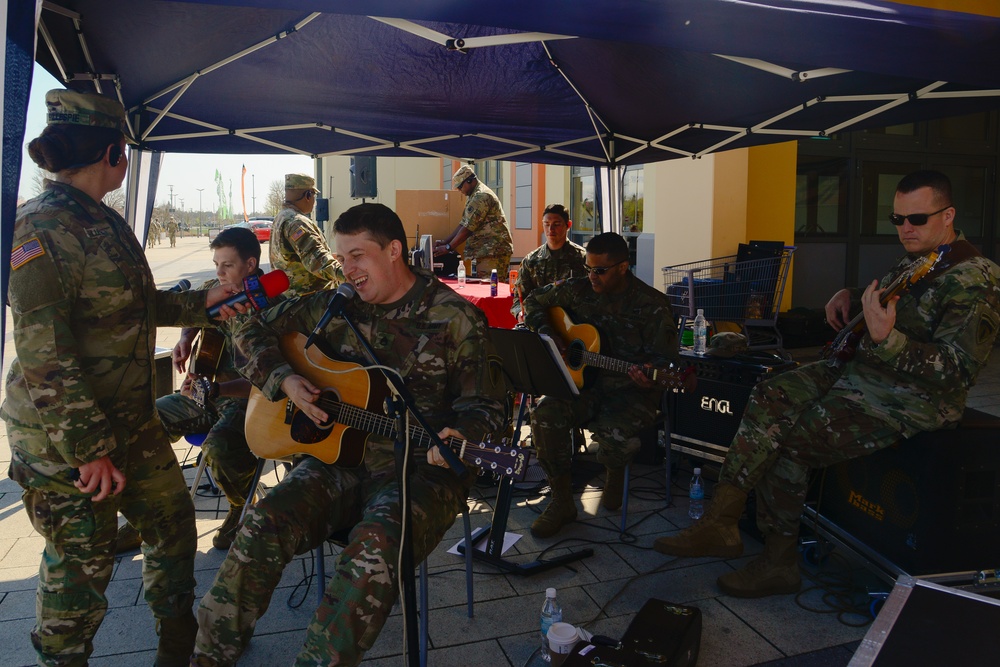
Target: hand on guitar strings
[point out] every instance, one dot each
(434, 456)
(640, 377)
(304, 395)
(101, 476)
(838, 309)
(878, 318)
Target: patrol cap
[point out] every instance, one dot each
(727, 344)
(463, 174)
(300, 182)
(68, 107)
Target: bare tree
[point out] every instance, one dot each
(116, 200)
(275, 198)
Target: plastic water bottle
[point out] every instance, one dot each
(551, 613)
(696, 492)
(475, 270)
(461, 273)
(494, 282)
(700, 332)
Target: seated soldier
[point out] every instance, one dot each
(635, 325)
(220, 413)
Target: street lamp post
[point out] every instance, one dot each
(199, 209)
(253, 193)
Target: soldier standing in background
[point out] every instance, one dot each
(556, 259)
(483, 228)
(439, 342)
(152, 235)
(172, 232)
(912, 370)
(85, 440)
(297, 245)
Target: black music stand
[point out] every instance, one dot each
(533, 367)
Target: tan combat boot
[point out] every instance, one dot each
(715, 534)
(774, 572)
(223, 539)
(177, 636)
(128, 539)
(560, 511)
(614, 488)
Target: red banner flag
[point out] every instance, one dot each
(243, 192)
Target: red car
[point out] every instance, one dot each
(260, 228)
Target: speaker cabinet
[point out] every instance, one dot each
(703, 422)
(930, 504)
(322, 210)
(364, 177)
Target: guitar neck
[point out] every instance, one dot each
(365, 420)
(617, 365)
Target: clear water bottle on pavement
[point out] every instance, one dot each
(494, 282)
(551, 613)
(700, 332)
(461, 273)
(696, 493)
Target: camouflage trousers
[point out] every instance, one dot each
(313, 501)
(613, 418)
(485, 265)
(225, 447)
(79, 554)
(793, 422)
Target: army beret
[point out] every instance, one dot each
(727, 344)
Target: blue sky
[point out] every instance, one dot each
(186, 172)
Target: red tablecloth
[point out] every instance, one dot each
(497, 308)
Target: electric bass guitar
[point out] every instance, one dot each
(845, 345)
(350, 394)
(583, 345)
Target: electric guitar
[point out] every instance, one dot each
(583, 345)
(278, 429)
(845, 345)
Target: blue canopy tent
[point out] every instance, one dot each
(604, 83)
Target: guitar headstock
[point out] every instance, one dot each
(921, 267)
(676, 378)
(201, 389)
(501, 459)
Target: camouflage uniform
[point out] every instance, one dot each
(635, 325)
(225, 447)
(915, 380)
(172, 232)
(439, 343)
(543, 266)
(489, 235)
(85, 311)
(299, 249)
(153, 233)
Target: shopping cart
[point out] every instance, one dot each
(744, 289)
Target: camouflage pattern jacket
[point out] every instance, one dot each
(436, 339)
(85, 311)
(299, 249)
(919, 376)
(543, 265)
(489, 234)
(635, 325)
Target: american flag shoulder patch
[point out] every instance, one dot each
(297, 234)
(24, 253)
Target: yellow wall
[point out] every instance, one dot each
(771, 199)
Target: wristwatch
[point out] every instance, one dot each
(447, 247)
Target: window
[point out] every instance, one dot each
(522, 195)
(490, 172)
(581, 193)
(821, 187)
(878, 188)
(632, 198)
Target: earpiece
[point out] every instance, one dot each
(114, 155)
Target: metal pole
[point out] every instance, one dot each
(199, 209)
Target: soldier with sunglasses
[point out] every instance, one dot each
(911, 372)
(636, 325)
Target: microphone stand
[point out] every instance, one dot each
(398, 412)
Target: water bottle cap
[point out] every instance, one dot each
(550, 592)
(697, 471)
(701, 311)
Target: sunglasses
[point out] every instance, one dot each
(601, 270)
(916, 219)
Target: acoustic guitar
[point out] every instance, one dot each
(350, 396)
(206, 362)
(845, 345)
(582, 355)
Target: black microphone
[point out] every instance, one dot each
(256, 291)
(344, 293)
(182, 286)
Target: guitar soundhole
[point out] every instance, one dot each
(307, 431)
(574, 354)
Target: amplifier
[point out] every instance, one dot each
(928, 505)
(703, 422)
